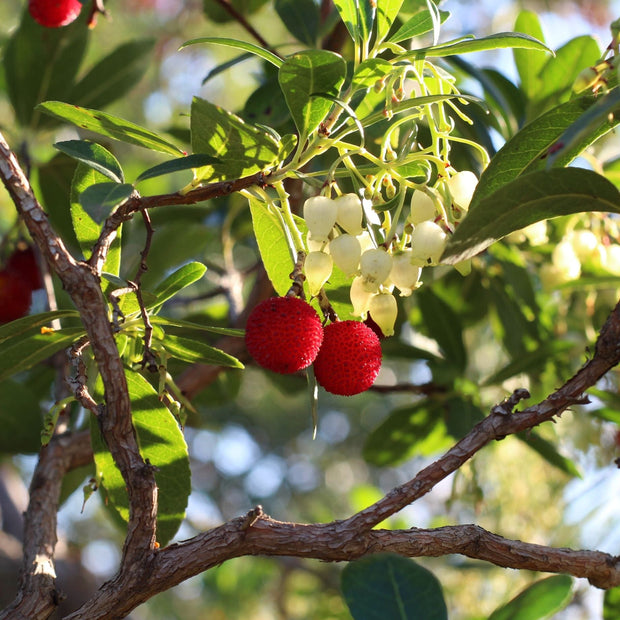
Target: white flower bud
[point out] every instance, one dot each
(422, 208)
(318, 267)
(360, 297)
(346, 251)
(428, 241)
(350, 213)
(462, 186)
(366, 242)
(404, 274)
(384, 310)
(320, 214)
(375, 266)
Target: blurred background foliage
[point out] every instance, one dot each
(250, 438)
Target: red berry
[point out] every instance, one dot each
(23, 264)
(350, 358)
(54, 13)
(15, 297)
(284, 334)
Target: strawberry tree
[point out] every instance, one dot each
(402, 208)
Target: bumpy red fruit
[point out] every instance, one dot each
(15, 297)
(23, 264)
(284, 334)
(350, 358)
(54, 13)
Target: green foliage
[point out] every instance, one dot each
(163, 446)
(539, 601)
(381, 586)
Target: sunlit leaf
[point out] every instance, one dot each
(108, 125)
(195, 351)
(419, 24)
(241, 45)
(530, 198)
(162, 445)
(177, 281)
(95, 156)
(177, 165)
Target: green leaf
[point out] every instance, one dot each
(492, 42)
(444, 326)
(366, 10)
(348, 14)
(86, 229)
(20, 419)
(529, 64)
(611, 604)
(304, 75)
(162, 445)
(390, 586)
(114, 75)
(25, 324)
(241, 45)
(416, 430)
(222, 331)
(601, 117)
(30, 349)
(549, 452)
(387, 12)
(538, 601)
(558, 75)
(108, 125)
(242, 149)
(530, 198)
(41, 63)
(177, 281)
(528, 149)
(95, 156)
(369, 71)
(195, 351)
(419, 24)
(100, 199)
(272, 245)
(176, 165)
(301, 18)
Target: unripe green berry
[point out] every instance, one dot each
(349, 213)
(346, 252)
(375, 266)
(428, 241)
(320, 215)
(384, 310)
(318, 267)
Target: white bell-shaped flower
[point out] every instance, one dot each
(320, 215)
(383, 311)
(360, 297)
(422, 208)
(462, 186)
(346, 252)
(318, 267)
(349, 213)
(375, 266)
(428, 241)
(404, 274)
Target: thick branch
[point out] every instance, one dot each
(115, 421)
(37, 596)
(257, 534)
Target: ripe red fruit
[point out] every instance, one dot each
(350, 358)
(284, 334)
(54, 13)
(23, 264)
(15, 296)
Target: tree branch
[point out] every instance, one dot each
(115, 420)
